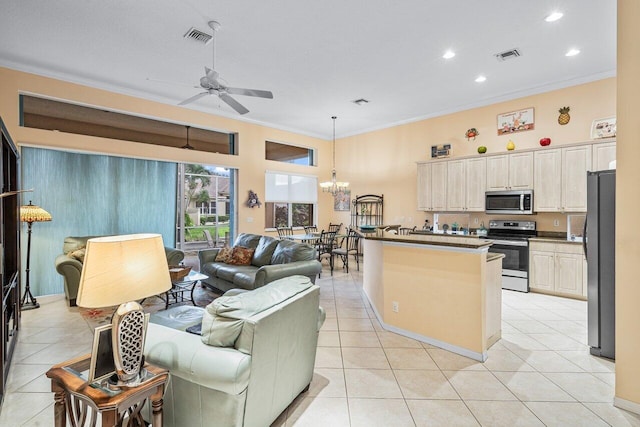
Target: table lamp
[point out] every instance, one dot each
(30, 214)
(121, 270)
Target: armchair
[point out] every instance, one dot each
(69, 264)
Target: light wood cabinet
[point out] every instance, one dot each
(510, 171)
(465, 184)
(439, 186)
(456, 185)
(424, 186)
(560, 179)
(432, 186)
(476, 184)
(603, 154)
(557, 268)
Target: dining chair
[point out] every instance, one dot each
(324, 247)
(310, 229)
(284, 232)
(335, 227)
(352, 248)
(405, 231)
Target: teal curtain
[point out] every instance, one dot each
(89, 194)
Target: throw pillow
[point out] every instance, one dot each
(224, 255)
(241, 256)
(78, 254)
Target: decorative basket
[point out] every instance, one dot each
(178, 272)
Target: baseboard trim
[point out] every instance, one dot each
(480, 357)
(627, 405)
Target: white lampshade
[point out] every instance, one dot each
(119, 269)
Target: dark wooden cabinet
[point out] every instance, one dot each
(9, 253)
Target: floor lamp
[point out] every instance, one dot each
(30, 214)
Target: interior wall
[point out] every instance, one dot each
(627, 205)
(383, 161)
(250, 161)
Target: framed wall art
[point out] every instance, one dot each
(603, 128)
(516, 121)
(342, 200)
(439, 151)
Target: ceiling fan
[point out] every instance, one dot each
(212, 85)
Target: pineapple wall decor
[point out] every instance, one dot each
(564, 116)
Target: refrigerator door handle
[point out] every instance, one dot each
(584, 237)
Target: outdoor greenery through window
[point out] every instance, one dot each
(289, 153)
(290, 200)
(206, 215)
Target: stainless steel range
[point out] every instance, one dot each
(511, 238)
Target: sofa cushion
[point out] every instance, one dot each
(224, 254)
(72, 243)
(264, 251)
(223, 318)
(241, 256)
(228, 272)
(78, 254)
(290, 251)
(247, 240)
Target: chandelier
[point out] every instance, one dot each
(334, 186)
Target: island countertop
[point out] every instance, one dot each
(432, 239)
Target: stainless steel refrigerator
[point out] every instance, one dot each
(599, 245)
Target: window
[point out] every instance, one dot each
(289, 153)
(290, 200)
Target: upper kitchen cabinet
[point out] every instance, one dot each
(466, 184)
(560, 182)
(603, 154)
(432, 186)
(510, 171)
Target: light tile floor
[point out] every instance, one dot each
(540, 373)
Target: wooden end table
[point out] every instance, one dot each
(80, 401)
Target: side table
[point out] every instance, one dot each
(180, 286)
(80, 401)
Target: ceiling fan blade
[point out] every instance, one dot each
(194, 98)
(233, 103)
(250, 92)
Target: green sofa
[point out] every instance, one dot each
(273, 259)
(255, 356)
(69, 264)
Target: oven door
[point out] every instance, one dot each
(515, 264)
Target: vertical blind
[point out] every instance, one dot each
(90, 195)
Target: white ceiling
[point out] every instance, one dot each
(316, 56)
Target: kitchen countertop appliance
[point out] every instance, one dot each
(511, 238)
(599, 247)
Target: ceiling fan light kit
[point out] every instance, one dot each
(210, 82)
(334, 186)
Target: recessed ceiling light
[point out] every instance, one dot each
(553, 16)
(449, 54)
(480, 79)
(572, 52)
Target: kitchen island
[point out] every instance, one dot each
(438, 289)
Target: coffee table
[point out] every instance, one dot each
(180, 286)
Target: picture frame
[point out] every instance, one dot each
(603, 128)
(101, 365)
(516, 121)
(440, 151)
(342, 200)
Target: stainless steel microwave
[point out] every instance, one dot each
(511, 202)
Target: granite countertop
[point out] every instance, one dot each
(554, 240)
(493, 256)
(433, 239)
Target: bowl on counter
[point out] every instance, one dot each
(368, 228)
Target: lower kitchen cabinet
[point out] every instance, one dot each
(557, 268)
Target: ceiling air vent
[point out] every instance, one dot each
(508, 54)
(198, 35)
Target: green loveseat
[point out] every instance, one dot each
(69, 264)
(273, 259)
(255, 356)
